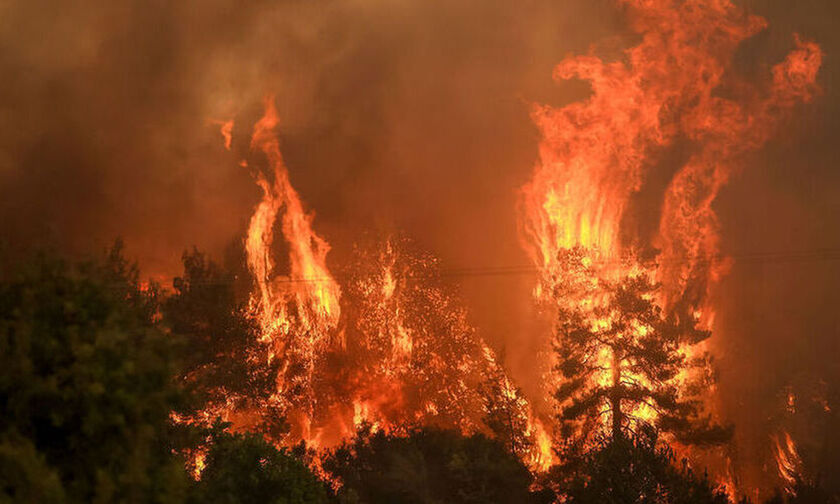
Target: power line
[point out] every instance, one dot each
(797, 256)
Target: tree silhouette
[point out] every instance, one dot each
(427, 466)
(245, 468)
(224, 364)
(86, 390)
(638, 469)
(506, 414)
(805, 492)
(619, 356)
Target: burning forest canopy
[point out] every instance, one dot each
(547, 223)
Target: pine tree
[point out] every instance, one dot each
(619, 355)
(506, 412)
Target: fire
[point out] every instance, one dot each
(788, 462)
(309, 283)
(198, 464)
(727, 481)
(595, 154)
(389, 348)
(362, 414)
(541, 456)
(676, 91)
(226, 130)
(297, 311)
(407, 331)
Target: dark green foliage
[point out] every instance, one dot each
(25, 477)
(245, 469)
(86, 388)
(635, 469)
(429, 466)
(223, 360)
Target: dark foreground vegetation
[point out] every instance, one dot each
(93, 366)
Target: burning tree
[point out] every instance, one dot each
(507, 413)
(676, 90)
(409, 329)
(622, 360)
(227, 368)
(389, 345)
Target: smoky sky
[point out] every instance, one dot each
(397, 116)
(401, 116)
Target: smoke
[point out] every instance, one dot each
(395, 115)
(779, 219)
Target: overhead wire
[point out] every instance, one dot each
(793, 256)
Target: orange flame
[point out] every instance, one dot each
(391, 347)
(675, 89)
(788, 462)
(226, 130)
(296, 311)
(315, 292)
(404, 353)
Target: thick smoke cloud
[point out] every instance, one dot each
(397, 115)
(778, 311)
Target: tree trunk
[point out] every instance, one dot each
(512, 433)
(615, 397)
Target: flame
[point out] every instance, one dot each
(363, 413)
(198, 464)
(391, 346)
(788, 462)
(595, 154)
(727, 482)
(790, 404)
(542, 456)
(401, 353)
(309, 283)
(408, 332)
(226, 130)
(299, 310)
(675, 90)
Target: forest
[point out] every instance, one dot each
(98, 368)
(402, 251)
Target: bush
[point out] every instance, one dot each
(429, 465)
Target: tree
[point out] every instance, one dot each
(225, 365)
(637, 469)
(804, 492)
(429, 466)
(245, 468)
(25, 475)
(86, 388)
(619, 356)
(506, 412)
(407, 327)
